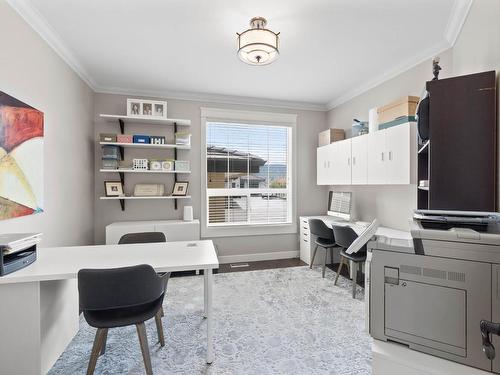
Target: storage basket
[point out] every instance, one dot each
(111, 152)
(157, 140)
(107, 137)
(109, 164)
(182, 165)
(182, 138)
(140, 164)
(124, 138)
(138, 138)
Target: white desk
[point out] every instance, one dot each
(307, 241)
(39, 308)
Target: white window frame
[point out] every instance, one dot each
(257, 118)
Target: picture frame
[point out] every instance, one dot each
(113, 189)
(180, 189)
(146, 109)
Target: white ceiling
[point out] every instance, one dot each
(330, 49)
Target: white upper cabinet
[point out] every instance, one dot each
(377, 157)
(398, 148)
(341, 173)
(383, 157)
(325, 164)
(359, 160)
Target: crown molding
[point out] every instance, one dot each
(454, 25)
(389, 74)
(456, 20)
(215, 98)
(38, 23)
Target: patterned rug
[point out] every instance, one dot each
(279, 321)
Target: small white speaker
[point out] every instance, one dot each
(188, 213)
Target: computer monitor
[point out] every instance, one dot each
(339, 204)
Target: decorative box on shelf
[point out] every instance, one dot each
(183, 138)
(139, 138)
(124, 138)
(155, 165)
(140, 164)
(110, 152)
(182, 165)
(149, 190)
(157, 140)
(107, 137)
(168, 165)
(109, 164)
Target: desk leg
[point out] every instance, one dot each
(205, 291)
(208, 311)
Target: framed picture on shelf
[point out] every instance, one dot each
(113, 188)
(146, 108)
(180, 188)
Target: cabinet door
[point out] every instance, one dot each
(359, 160)
(321, 165)
(377, 156)
(341, 172)
(398, 154)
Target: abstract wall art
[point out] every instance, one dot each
(21, 158)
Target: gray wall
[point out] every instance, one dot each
(32, 72)
(311, 199)
(477, 49)
(392, 205)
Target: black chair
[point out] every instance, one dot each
(325, 239)
(121, 297)
(344, 237)
(144, 237)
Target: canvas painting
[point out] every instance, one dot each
(21, 158)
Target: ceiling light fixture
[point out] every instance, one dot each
(258, 45)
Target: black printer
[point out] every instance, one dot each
(17, 250)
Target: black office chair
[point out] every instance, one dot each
(344, 237)
(325, 239)
(121, 297)
(143, 237)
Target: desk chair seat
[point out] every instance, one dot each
(325, 239)
(355, 257)
(325, 242)
(120, 297)
(344, 237)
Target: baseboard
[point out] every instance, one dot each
(223, 259)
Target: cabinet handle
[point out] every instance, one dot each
(390, 155)
(328, 164)
(305, 228)
(306, 234)
(353, 160)
(382, 154)
(348, 161)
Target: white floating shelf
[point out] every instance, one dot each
(153, 197)
(152, 121)
(139, 171)
(145, 145)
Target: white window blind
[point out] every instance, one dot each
(248, 174)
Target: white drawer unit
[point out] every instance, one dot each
(307, 244)
(174, 230)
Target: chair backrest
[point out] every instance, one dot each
(320, 229)
(143, 237)
(103, 289)
(344, 235)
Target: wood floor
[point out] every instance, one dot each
(278, 263)
(266, 265)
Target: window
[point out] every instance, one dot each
(248, 173)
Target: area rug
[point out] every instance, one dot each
(279, 321)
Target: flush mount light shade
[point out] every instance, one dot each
(258, 45)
